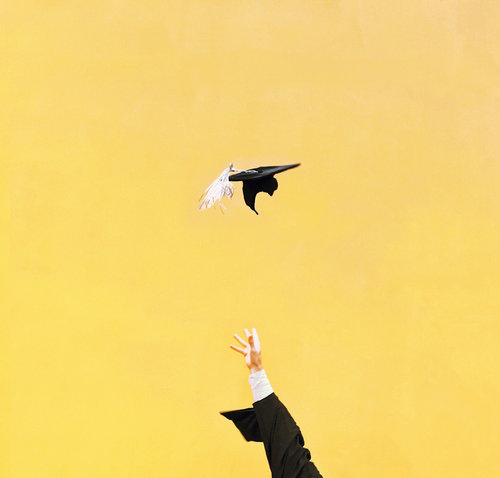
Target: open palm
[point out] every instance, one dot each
(250, 350)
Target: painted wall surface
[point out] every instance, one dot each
(372, 275)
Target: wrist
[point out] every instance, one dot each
(256, 368)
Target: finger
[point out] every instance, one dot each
(241, 351)
(247, 333)
(240, 340)
(251, 341)
(255, 336)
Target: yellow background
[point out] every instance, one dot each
(372, 275)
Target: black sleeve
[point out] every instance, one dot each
(283, 441)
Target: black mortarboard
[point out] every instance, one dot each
(255, 180)
(246, 422)
(258, 180)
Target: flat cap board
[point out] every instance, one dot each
(261, 172)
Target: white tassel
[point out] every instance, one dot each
(218, 189)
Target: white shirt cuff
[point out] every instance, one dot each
(259, 383)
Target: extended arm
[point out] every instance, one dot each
(282, 438)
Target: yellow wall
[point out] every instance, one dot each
(373, 274)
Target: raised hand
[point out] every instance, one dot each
(251, 350)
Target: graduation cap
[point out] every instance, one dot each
(246, 422)
(255, 180)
